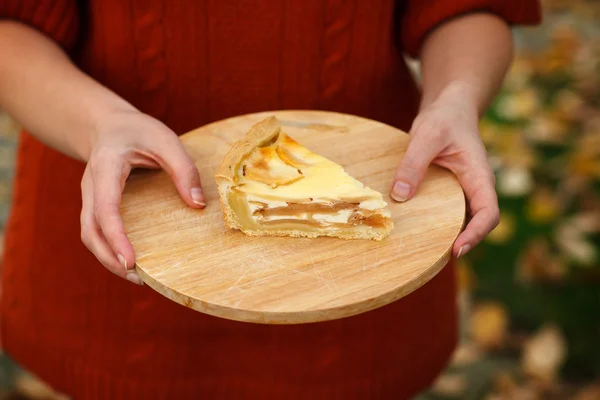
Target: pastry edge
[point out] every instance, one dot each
(260, 132)
(371, 235)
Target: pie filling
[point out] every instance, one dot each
(255, 213)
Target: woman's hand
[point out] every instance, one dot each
(125, 140)
(445, 133)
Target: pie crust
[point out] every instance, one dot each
(270, 185)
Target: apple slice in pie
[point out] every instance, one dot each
(270, 185)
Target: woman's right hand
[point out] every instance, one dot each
(125, 140)
(70, 112)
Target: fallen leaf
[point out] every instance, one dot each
(545, 128)
(519, 104)
(465, 354)
(543, 354)
(505, 230)
(573, 242)
(543, 206)
(515, 182)
(507, 388)
(538, 262)
(488, 325)
(452, 385)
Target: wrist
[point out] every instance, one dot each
(101, 121)
(459, 92)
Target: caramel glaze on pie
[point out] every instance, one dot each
(271, 185)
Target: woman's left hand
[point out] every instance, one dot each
(446, 133)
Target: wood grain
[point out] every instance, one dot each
(190, 257)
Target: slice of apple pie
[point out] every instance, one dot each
(270, 185)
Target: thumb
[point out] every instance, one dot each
(413, 168)
(178, 164)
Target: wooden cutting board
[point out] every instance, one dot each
(190, 257)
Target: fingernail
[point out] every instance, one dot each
(134, 278)
(198, 197)
(122, 260)
(463, 250)
(400, 191)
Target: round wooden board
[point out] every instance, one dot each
(189, 256)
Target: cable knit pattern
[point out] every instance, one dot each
(149, 39)
(187, 62)
(338, 16)
(59, 19)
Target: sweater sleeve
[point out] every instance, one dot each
(420, 17)
(57, 19)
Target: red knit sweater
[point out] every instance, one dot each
(94, 336)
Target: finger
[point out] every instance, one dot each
(482, 223)
(422, 150)
(109, 173)
(175, 160)
(92, 238)
(483, 203)
(102, 251)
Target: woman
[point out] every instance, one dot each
(104, 86)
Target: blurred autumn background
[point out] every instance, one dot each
(530, 295)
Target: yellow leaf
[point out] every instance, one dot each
(519, 104)
(546, 128)
(588, 167)
(537, 263)
(519, 74)
(488, 325)
(568, 104)
(505, 230)
(543, 354)
(543, 206)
